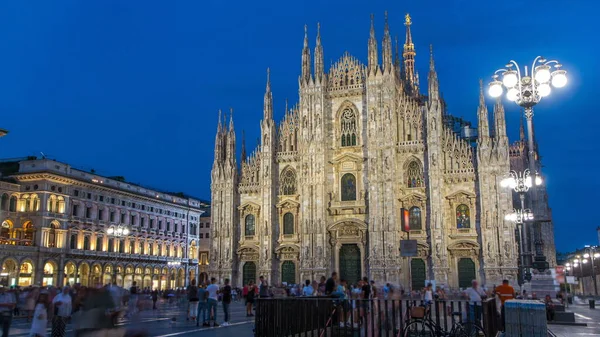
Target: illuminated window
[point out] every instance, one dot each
(463, 216)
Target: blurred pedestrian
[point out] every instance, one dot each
(62, 304)
(39, 320)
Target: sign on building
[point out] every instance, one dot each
(408, 248)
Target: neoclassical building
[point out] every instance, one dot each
(324, 189)
(55, 221)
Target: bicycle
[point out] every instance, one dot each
(421, 325)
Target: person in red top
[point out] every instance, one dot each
(505, 292)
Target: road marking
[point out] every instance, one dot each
(581, 316)
(197, 330)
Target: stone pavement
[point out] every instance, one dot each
(158, 323)
(583, 314)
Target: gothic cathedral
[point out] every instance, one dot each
(324, 189)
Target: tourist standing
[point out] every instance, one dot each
(428, 297)
(505, 292)
(330, 284)
(308, 290)
(39, 320)
(226, 292)
(250, 298)
(62, 304)
(7, 305)
(476, 295)
(202, 306)
(213, 300)
(263, 288)
(192, 295)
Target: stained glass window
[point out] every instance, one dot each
(348, 187)
(288, 182)
(414, 175)
(415, 218)
(463, 216)
(249, 225)
(288, 223)
(348, 127)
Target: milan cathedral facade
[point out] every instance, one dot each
(323, 190)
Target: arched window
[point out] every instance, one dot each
(13, 204)
(288, 223)
(348, 187)
(348, 127)
(414, 175)
(35, 203)
(99, 243)
(29, 232)
(73, 243)
(463, 216)
(249, 225)
(52, 235)
(288, 182)
(86, 243)
(4, 202)
(414, 218)
(27, 203)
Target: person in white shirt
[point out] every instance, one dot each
(213, 299)
(428, 298)
(476, 295)
(62, 305)
(308, 290)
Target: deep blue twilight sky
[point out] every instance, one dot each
(132, 88)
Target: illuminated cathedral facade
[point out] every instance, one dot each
(323, 190)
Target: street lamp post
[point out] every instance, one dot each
(117, 232)
(590, 253)
(520, 182)
(527, 90)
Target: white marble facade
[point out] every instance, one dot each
(324, 189)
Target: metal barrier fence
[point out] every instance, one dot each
(331, 317)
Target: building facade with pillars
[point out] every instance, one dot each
(55, 220)
(204, 246)
(324, 189)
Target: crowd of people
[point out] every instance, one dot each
(90, 309)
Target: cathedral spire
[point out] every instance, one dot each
(219, 141)
(386, 46)
(409, 52)
(268, 102)
(230, 151)
(319, 67)
(433, 79)
(373, 58)
(305, 58)
(482, 115)
(243, 146)
(499, 120)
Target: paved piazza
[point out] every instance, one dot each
(157, 323)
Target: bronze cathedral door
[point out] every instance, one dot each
(350, 263)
